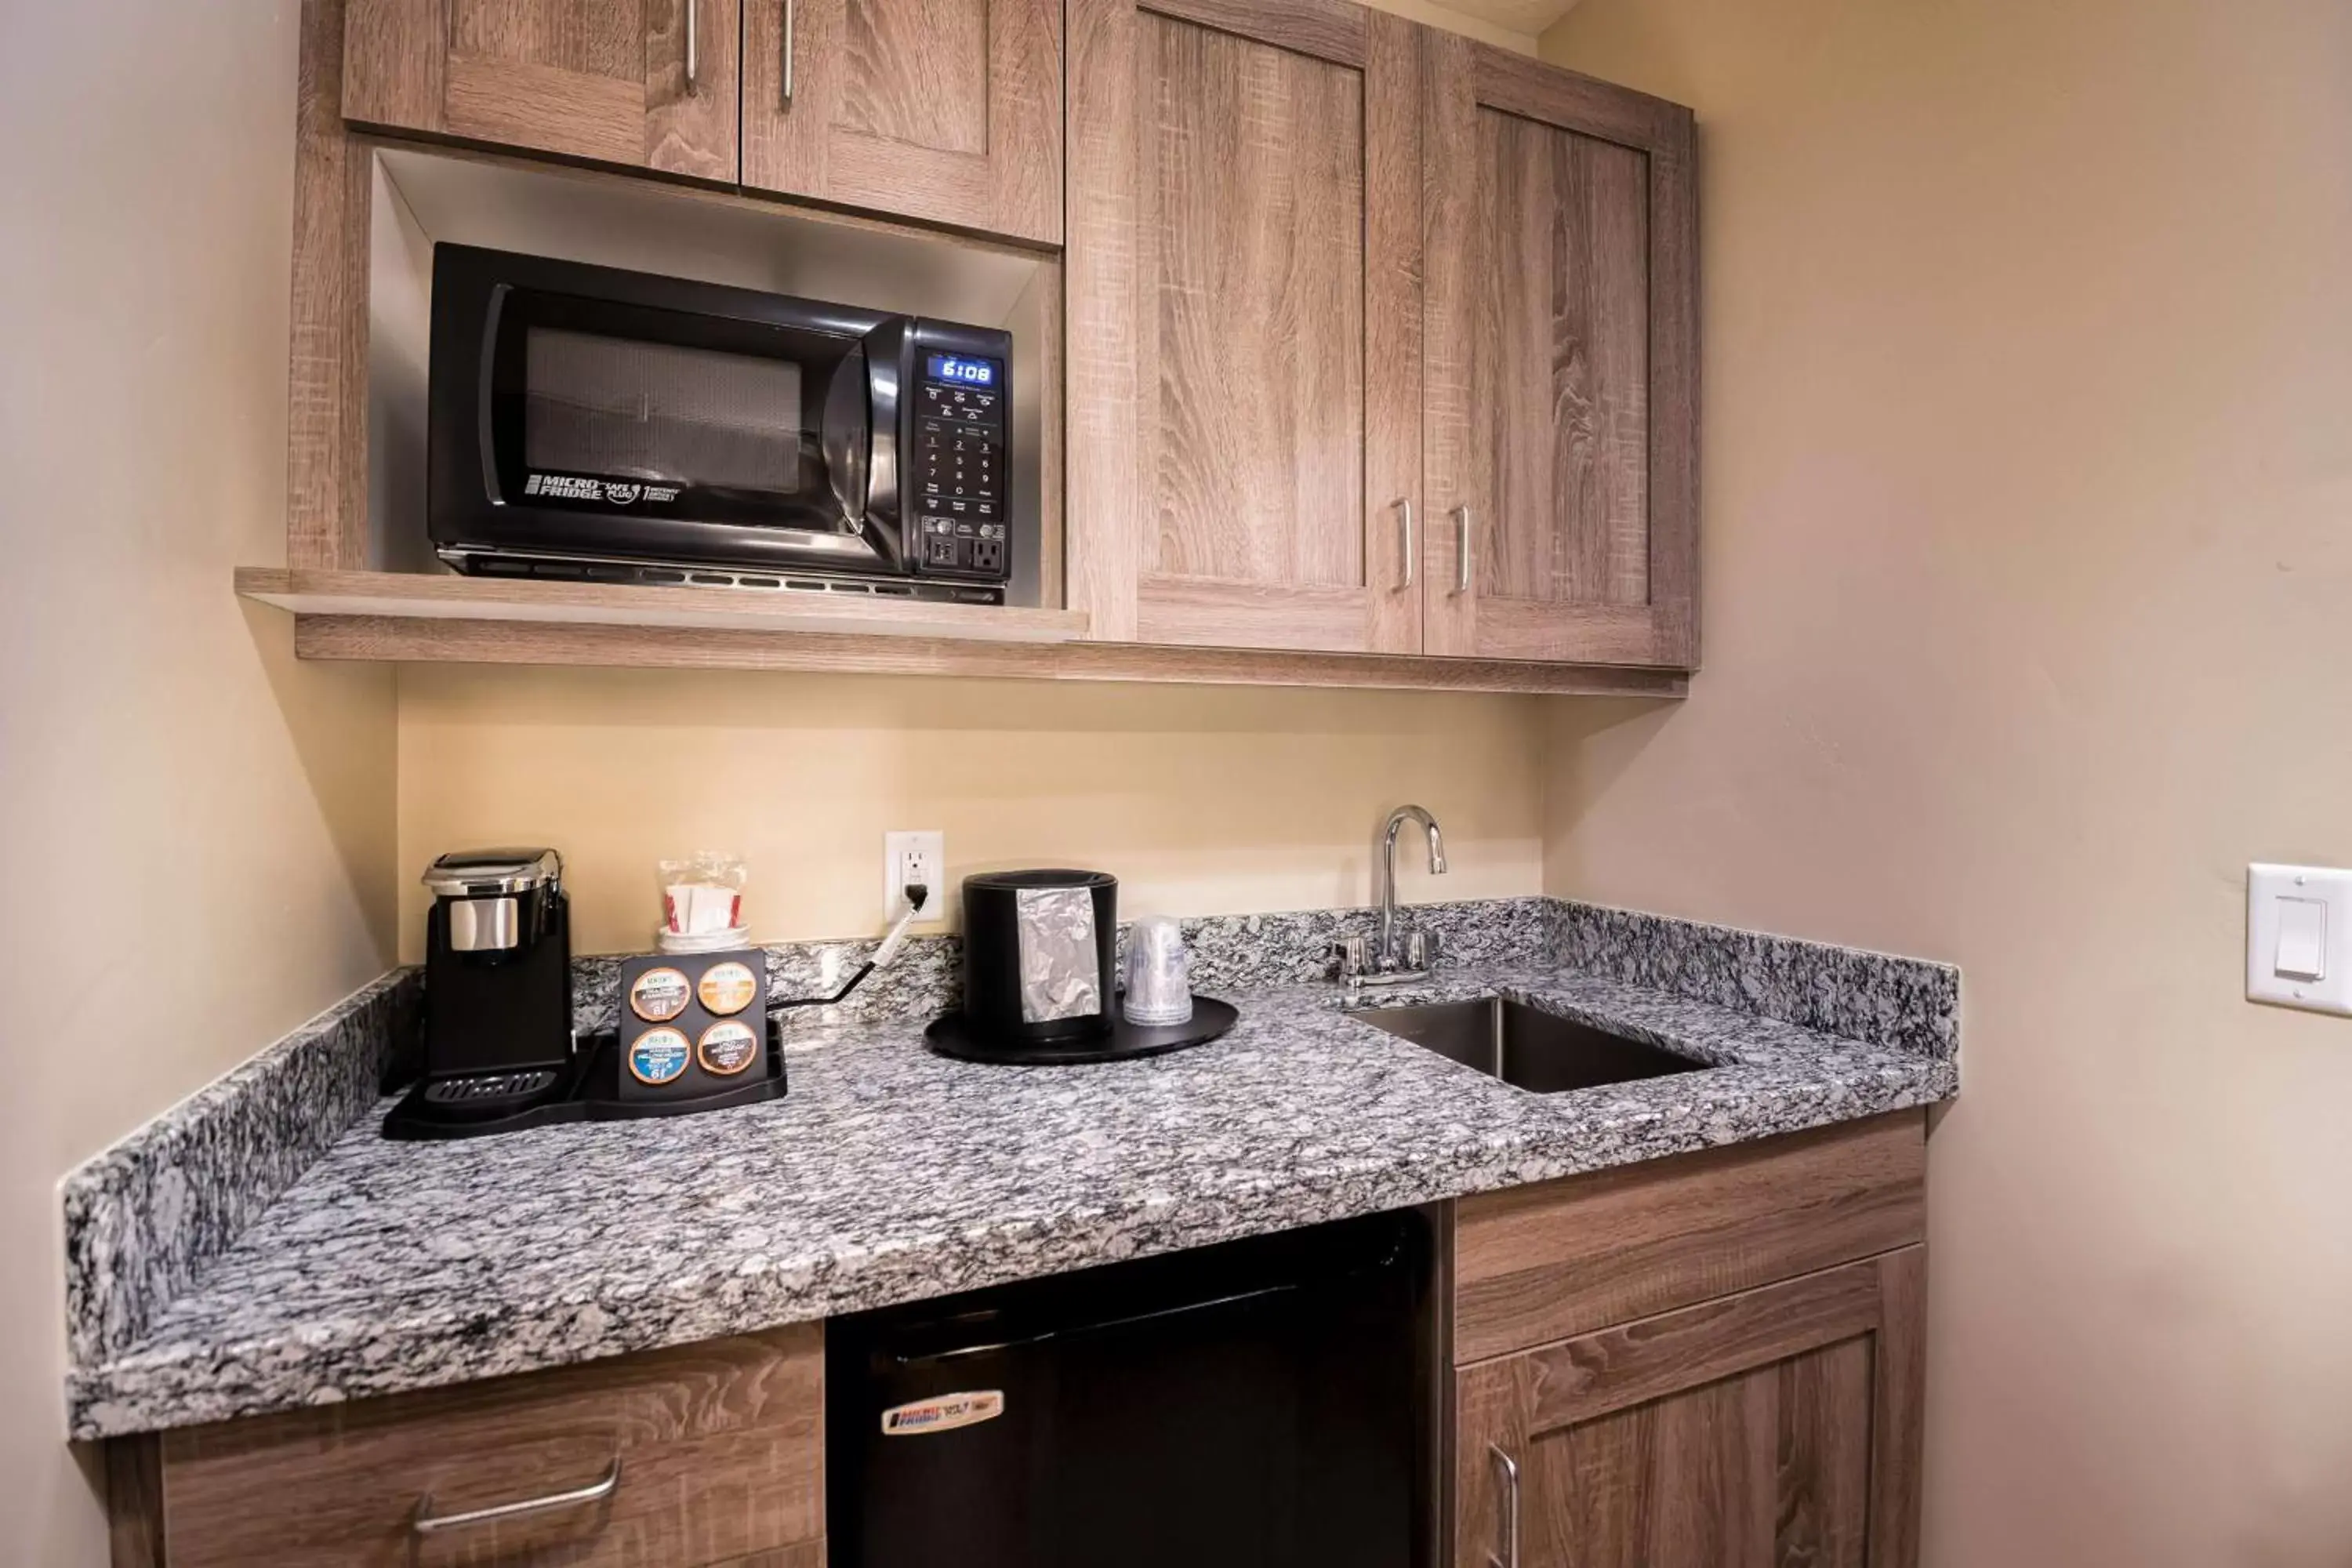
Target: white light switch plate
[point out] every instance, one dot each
(2299, 937)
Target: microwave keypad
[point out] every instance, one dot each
(959, 478)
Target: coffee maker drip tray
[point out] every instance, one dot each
(490, 1088)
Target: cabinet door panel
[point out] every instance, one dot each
(1246, 330)
(944, 111)
(1561, 401)
(1562, 371)
(1780, 1427)
(1251, 188)
(586, 78)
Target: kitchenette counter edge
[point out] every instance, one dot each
(889, 1174)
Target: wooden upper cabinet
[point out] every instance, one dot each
(1561, 406)
(604, 79)
(1781, 1426)
(944, 111)
(1245, 331)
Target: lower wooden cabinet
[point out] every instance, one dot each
(1779, 1426)
(706, 1454)
(1713, 1360)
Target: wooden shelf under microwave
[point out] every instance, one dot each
(418, 617)
(424, 597)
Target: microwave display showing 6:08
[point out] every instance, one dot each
(970, 371)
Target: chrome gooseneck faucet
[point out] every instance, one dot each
(1392, 959)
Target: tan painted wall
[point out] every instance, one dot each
(1202, 800)
(200, 813)
(2028, 512)
(1431, 14)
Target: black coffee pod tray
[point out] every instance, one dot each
(586, 1091)
(953, 1034)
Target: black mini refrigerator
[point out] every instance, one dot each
(1262, 1403)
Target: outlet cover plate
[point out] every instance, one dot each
(930, 848)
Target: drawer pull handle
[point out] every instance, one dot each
(427, 1522)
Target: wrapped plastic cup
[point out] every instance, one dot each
(1158, 975)
(702, 897)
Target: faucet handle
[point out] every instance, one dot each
(1419, 950)
(1350, 954)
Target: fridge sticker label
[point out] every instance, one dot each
(659, 1056)
(728, 987)
(944, 1414)
(728, 1047)
(659, 995)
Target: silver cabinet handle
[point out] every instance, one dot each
(1404, 509)
(788, 53)
(424, 1521)
(1462, 552)
(693, 44)
(1503, 1462)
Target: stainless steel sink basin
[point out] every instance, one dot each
(1526, 1046)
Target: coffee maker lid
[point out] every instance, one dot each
(470, 873)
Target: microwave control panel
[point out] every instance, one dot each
(958, 478)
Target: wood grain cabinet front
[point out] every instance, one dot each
(1381, 341)
(1244, 349)
(946, 111)
(705, 1455)
(1562, 406)
(650, 84)
(1714, 1361)
(1779, 1426)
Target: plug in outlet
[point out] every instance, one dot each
(913, 858)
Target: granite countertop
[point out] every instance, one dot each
(889, 1174)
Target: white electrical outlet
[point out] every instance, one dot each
(913, 858)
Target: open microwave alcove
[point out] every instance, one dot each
(419, 198)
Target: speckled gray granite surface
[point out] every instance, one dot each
(143, 1218)
(1900, 1002)
(888, 1173)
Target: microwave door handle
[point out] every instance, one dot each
(888, 360)
(493, 315)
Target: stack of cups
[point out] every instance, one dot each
(1159, 979)
(702, 904)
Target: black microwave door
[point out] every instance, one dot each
(629, 430)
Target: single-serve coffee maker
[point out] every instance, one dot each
(497, 982)
(697, 1033)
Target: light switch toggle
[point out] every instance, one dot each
(2302, 939)
(2299, 937)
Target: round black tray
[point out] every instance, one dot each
(953, 1036)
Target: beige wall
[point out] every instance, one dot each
(2028, 490)
(1431, 14)
(1203, 800)
(198, 831)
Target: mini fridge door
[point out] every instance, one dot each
(1249, 1407)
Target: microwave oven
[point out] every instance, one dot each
(590, 423)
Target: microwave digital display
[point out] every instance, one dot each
(968, 371)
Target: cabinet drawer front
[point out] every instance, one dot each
(719, 1449)
(1543, 1263)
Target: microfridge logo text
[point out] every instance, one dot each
(566, 487)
